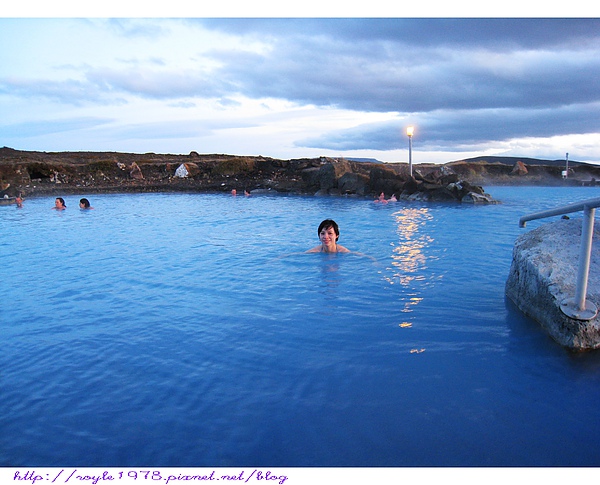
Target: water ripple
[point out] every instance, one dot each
(191, 330)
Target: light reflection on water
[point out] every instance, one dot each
(190, 330)
(408, 257)
(409, 260)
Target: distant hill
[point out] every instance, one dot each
(365, 160)
(527, 161)
(493, 159)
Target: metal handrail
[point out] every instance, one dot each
(578, 308)
(559, 211)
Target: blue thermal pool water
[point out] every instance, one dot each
(190, 330)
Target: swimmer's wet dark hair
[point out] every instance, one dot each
(326, 224)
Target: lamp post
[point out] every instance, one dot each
(409, 131)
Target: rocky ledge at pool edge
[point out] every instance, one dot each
(44, 173)
(543, 274)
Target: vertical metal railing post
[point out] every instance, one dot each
(587, 231)
(579, 308)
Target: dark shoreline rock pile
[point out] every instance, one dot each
(47, 173)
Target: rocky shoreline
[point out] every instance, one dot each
(31, 173)
(543, 274)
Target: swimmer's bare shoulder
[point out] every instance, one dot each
(319, 249)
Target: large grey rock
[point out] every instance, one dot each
(476, 198)
(543, 274)
(353, 183)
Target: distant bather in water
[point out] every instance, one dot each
(59, 204)
(84, 204)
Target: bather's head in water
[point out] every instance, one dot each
(328, 233)
(329, 224)
(59, 204)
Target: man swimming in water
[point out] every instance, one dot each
(329, 233)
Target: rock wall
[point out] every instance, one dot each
(543, 274)
(37, 173)
(514, 171)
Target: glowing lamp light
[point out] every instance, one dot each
(409, 131)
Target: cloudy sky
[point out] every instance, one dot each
(303, 87)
